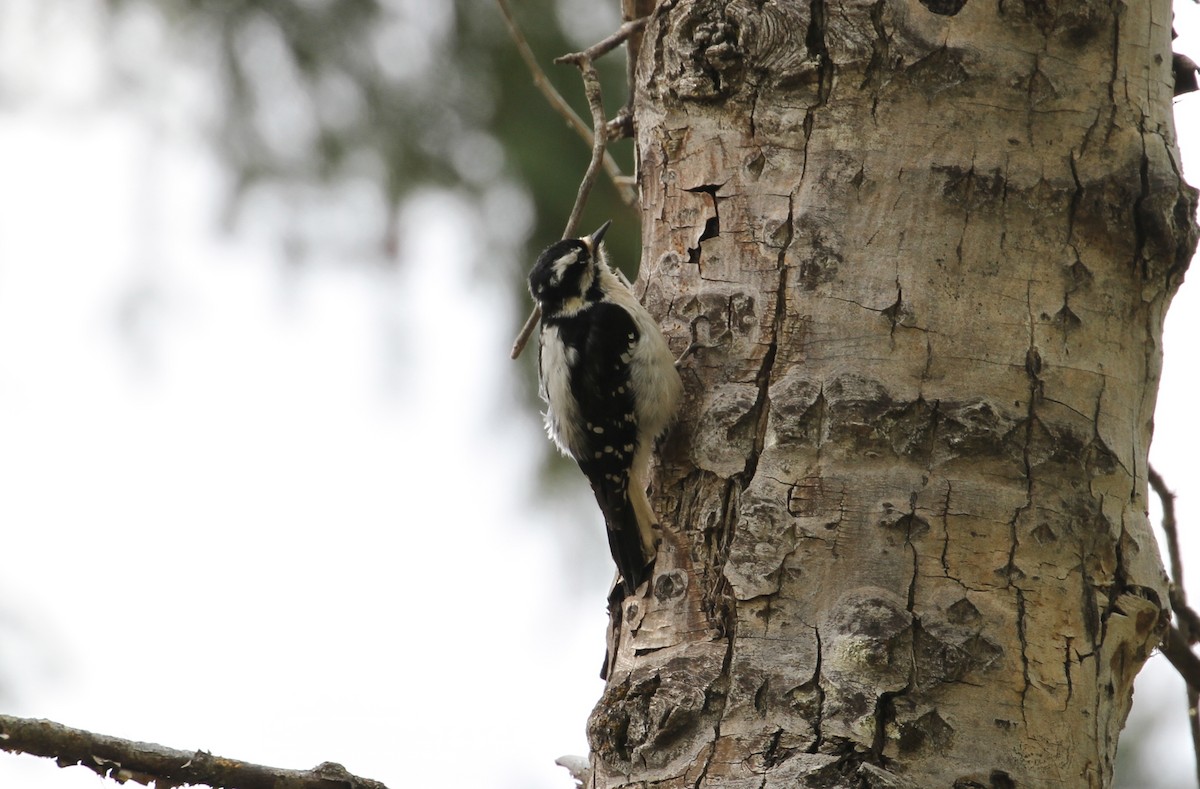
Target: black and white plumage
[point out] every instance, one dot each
(610, 386)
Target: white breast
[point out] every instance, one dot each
(562, 412)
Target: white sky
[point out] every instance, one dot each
(241, 525)
(221, 497)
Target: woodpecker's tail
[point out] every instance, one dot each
(621, 517)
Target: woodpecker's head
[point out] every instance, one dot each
(565, 272)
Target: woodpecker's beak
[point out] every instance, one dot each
(593, 241)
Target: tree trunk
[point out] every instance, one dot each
(925, 249)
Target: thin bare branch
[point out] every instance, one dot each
(1193, 712)
(606, 45)
(526, 332)
(1168, 524)
(126, 760)
(591, 86)
(598, 137)
(1187, 618)
(542, 82)
(595, 97)
(1175, 648)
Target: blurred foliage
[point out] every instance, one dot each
(403, 95)
(320, 100)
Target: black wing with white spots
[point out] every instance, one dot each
(604, 336)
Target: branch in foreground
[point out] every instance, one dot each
(126, 760)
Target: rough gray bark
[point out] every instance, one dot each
(928, 246)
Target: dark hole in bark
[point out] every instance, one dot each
(944, 7)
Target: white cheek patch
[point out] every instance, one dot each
(560, 266)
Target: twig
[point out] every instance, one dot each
(558, 103)
(606, 45)
(1193, 712)
(1176, 646)
(1168, 524)
(591, 88)
(1176, 649)
(1189, 620)
(526, 332)
(125, 760)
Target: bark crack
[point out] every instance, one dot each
(818, 722)
(968, 196)
(937, 404)
(1067, 670)
(1033, 369)
(753, 124)
(658, 70)
(1024, 651)
(1073, 208)
(912, 585)
(894, 312)
(1114, 74)
(724, 695)
(874, 74)
(762, 404)
(946, 531)
(885, 713)
(718, 613)
(814, 40)
(712, 225)
(1032, 87)
(1140, 231)
(885, 702)
(771, 754)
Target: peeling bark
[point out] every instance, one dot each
(924, 249)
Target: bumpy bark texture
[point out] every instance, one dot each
(927, 246)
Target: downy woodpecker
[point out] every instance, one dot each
(610, 386)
